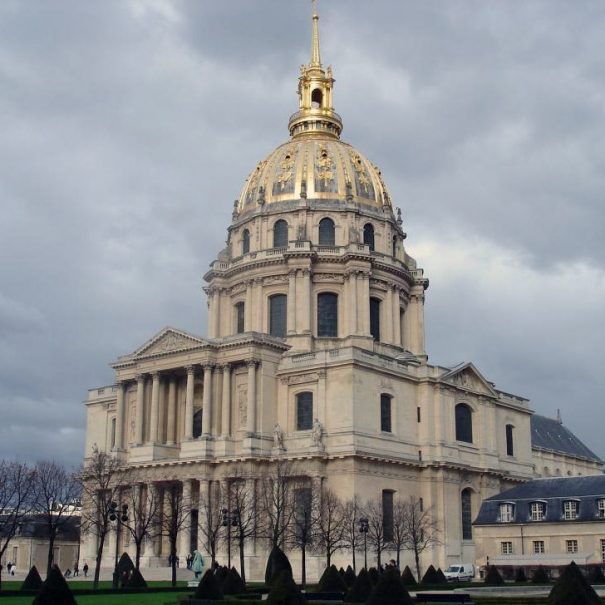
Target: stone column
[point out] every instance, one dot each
(257, 306)
(226, 402)
(171, 413)
(189, 402)
(211, 312)
(207, 402)
(251, 411)
(305, 301)
(184, 547)
(248, 307)
(396, 318)
(363, 304)
(387, 331)
(155, 408)
(120, 413)
(139, 409)
(292, 302)
(217, 313)
(352, 303)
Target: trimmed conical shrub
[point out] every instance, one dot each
(284, 591)
(430, 576)
(540, 576)
(209, 588)
(361, 589)
(407, 577)
(125, 564)
(390, 591)
(572, 588)
(276, 563)
(374, 575)
(331, 581)
(341, 572)
(136, 580)
(32, 581)
(493, 577)
(221, 573)
(350, 576)
(54, 590)
(520, 575)
(233, 583)
(441, 576)
(596, 576)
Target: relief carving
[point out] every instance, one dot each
(242, 405)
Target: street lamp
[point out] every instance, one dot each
(230, 519)
(364, 526)
(118, 517)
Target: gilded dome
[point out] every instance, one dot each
(316, 168)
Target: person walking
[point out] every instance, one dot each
(76, 569)
(85, 569)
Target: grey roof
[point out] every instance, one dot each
(550, 434)
(34, 526)
(587, 490)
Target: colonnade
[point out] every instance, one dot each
(217, 404)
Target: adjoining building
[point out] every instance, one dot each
(315, 353)
(548, 522)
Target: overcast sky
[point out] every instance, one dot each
(128, 128)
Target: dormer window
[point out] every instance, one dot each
(507, 512)
(570, 510)
(601, 508)
(537, 511)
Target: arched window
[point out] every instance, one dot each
(278, 315)
(394, 245)
(368, 236)
(245, 241)
(510, 446)
(464, 423)
(316, 98)
(304, 411)
(197, 423)
(467, 514)
(375, 318)
(280, 234)
(385, 413)
(240, 317)
(326, 232)
(327, 314)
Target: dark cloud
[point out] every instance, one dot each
(129, 128)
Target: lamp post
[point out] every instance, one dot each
(230, 519)
(364, 526)
(118, 517)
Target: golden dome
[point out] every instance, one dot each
(315, 164)
(316, 168)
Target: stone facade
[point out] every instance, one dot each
(314, 218)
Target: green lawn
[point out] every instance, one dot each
(149, 598)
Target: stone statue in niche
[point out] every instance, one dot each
(353, 235)
(278, 437)
(242, 401)
(301, 232)
(317, 434)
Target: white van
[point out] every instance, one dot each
(460, 572)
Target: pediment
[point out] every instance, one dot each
(169, 340)
(468, 377)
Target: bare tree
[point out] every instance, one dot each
(420, 529)
(210, 521)
(143, 506)
(376, 528)
(301, 530)
(241, 501)
(352, 514)
(276, 502)
(330, 524)
(174, 519)
(102, 480)
(16, 491)
(56, 498)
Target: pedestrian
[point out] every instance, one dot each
(76, 569)
(85, 569)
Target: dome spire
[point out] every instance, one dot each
(315, 53)
(316, 115)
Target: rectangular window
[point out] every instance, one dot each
(239, 317)
(418, 414)
(302, 516)
(538, 547)
(278, 306)
(327, 314)
(570, 510)
(385, 413)
(304, 411)
(113, 433)
(536, 511)
(421, 504)
(601, 508)
(509, 440)
(603, 550)
(387, 515)
(506, 548)
(375, 318)
(571, 546)
(506, 513)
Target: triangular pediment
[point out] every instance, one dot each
(169, 340)
(467, 376)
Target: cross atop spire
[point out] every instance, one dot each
(315, 53)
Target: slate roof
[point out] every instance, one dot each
(553, 492)
(550, 434)
(34, 526)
